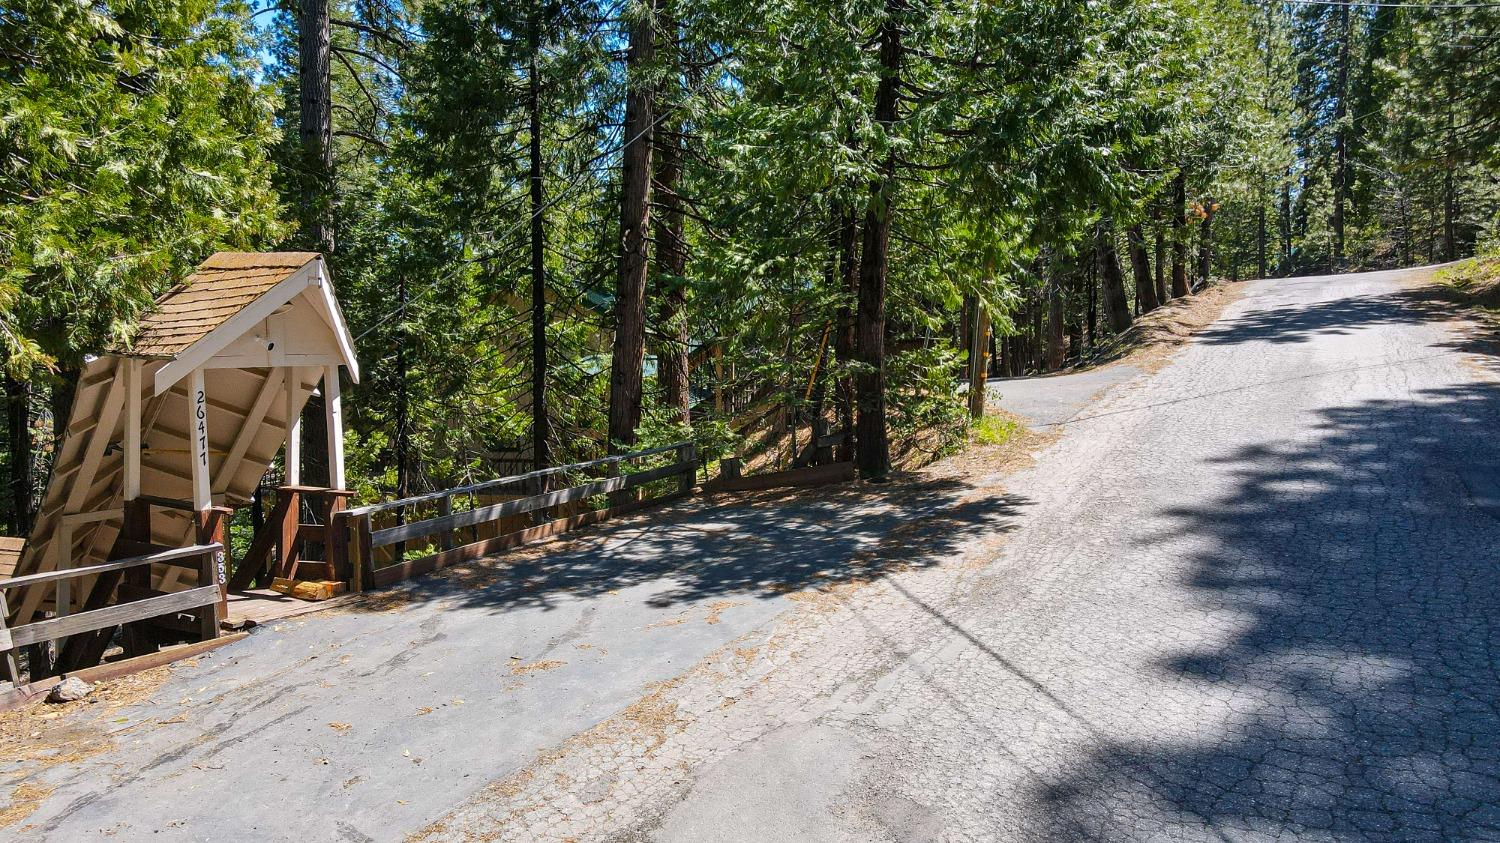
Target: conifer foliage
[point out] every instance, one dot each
(566, 227)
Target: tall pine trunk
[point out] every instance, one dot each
(1140, 265)
(1284, 226)
(1341, 139)
(1056, 305)
(316, 134)
(541, 425)
(979, 344)
(316, 129)
(847, 244)
(1262, 265)
(18, 452)
(1179, 236)
(1116, 306)
(628, 352)
(1159, 265)
(671, 260)
(874, 451)
(1206, 242)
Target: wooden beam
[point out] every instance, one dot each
(202, 497)
(132, 429)
(82, 480)
(116, 565)
(110, 616)
(293, 474)
(392, 574)
(489, 485)
(838, 472)
(417, 529)
(333, 408)
(249, 428)
(114, 670)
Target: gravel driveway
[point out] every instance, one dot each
(1251, 596)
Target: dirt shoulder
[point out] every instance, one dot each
(1153, 338)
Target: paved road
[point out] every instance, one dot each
(1055, 399)
(1251, 596)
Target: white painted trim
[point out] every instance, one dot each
(333, 408)
(236, 326)
(293, 474)
(334, 316)
(198, 441)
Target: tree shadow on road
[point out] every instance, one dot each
(1283, 324)
(1360, 687)
(760, 547)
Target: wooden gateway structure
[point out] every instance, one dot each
(169, 433)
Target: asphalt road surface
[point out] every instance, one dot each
(1251, 596)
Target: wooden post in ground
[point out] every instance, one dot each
(210, 528)
(687, 452)
(445, 509)
(355, 529)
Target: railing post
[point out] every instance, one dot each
(687, 453)
(209, 564)
(212, 528)
(361, 555)
(729, 468)
(445, 509)
(337, 543)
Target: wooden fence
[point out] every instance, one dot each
(203, 602)
(556, 499)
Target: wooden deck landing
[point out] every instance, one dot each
(262, 605)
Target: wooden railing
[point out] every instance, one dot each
(357, 539)
(202, 601)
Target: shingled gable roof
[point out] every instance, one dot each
(218, 289)
(199, 316)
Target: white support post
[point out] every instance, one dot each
(132, 429)
(198, 441)
(333, 406)
(293, 474)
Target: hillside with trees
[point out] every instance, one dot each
(563, 229)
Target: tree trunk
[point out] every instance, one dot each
(18, 452)
(1285, 226)
(1262, 265)
(1056, 305)
(1206, 242)
(1341, 139)
(541, 425)
(316, 127)
(1140, 264)
(403, 401)
(1159, 248)
(60, 403)
(1179, 236)
(979, 343)
(635, 221)
(671, 264)
(316, 134)
(1116, 306)
(1091, 277)
(847, 243)
(874, 452)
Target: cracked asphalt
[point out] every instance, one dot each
(1250, 596)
